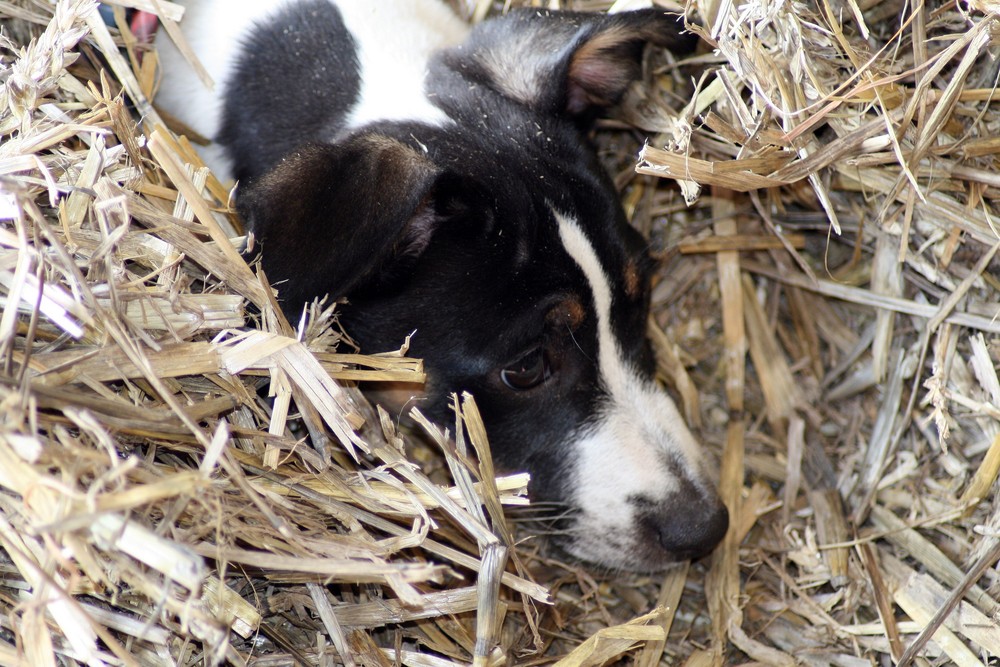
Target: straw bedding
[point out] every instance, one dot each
(186, 478)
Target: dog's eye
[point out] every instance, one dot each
(529, 371)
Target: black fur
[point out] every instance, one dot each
(295, 80)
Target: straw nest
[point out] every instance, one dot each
(820, 186)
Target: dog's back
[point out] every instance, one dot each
(301, 71)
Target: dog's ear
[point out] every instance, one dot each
(565, 62)
(332, 218)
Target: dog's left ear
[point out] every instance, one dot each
(565, 62)
(336, 218)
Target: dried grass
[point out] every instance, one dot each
(839, 352)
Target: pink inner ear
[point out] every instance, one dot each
(596, 81)
(416, 235)
(599, 71)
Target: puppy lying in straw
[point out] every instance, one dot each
(439, 177)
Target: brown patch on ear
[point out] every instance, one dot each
(569, 312)
(602, 68)
(631, 276)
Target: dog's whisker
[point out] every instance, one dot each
(542, 507)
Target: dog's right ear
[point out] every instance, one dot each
(565, 63)
(331, 218)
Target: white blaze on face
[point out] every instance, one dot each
(635, 440)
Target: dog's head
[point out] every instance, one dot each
(499, 240)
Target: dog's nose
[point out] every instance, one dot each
(692, 527)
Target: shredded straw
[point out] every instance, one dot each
(185, 478)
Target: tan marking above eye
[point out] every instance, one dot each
(569, 312)
(631, 275)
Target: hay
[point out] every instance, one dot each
(822, 201)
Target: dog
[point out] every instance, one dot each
(439, 177)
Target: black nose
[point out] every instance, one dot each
(690, 528)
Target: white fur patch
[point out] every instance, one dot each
(520, 69)
(395, 39)
(639, 432)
